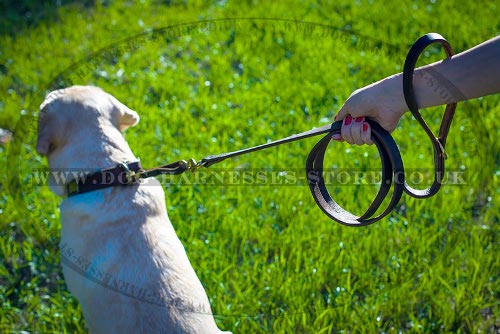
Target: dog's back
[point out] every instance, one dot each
(139, 278)
(120, 254)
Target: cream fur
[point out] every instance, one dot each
(120, 236)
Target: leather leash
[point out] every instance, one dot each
(392, 164)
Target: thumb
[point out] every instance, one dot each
(342, 113)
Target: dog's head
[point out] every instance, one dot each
(68, 111)
(81, 127)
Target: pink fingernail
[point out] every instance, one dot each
(365, 127)
(359, 119)
(348, 120)
(337, 137)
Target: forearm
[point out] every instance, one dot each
(470, 74)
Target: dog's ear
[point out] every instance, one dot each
(126, 116)
(47, 130)
(43, 144)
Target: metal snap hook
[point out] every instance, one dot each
(130, 175)
(192, 165)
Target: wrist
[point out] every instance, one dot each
(392, 88)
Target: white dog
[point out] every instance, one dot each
(120, 254)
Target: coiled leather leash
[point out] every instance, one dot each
(392, 164)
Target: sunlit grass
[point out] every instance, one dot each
(268, 257)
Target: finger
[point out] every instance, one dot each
(342, 113)
(366, 133)
(356, 130)
(345, 130)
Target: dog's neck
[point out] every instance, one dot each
(91, 150)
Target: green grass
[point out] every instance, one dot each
(268, 257)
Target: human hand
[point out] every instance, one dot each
(382, 101)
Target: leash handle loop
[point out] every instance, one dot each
(438, 143)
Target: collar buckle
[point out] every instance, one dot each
(130, 175)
